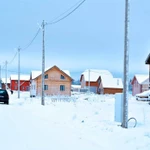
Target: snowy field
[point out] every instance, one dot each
(83, 122)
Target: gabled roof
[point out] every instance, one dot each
(34, 74)
(22, 77)
(112, 83)
(94, 74)
(108, 81)
(141, 78)
(38, 73)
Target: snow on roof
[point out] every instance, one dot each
(67, 72)
(112, 83)
(141, 78)
(75, 86)
(3, 80)
(107, 78)
(22, 77)
(94, 74)
(34, 74)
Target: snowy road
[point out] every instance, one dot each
(22, 129)
(82, 125)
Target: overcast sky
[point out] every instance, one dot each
(91, 37)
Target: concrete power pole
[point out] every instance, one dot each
(89, 80)
(43, 64)
(18, 72)
(126, 66)
(6, 76)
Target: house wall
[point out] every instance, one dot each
(144, 87)
(54, 81)
(136, 87)
(93, 86)
(24, 85)
(112, 90)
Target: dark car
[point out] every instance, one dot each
(4, 97)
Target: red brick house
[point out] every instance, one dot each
(100, 82)
(24, 82)
(139, 84)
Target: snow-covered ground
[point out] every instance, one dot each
(84, 122)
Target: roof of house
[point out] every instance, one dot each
(35, 74)
(22, 77)
(141, 78)
(75, 86)
(108, 81)
(94, 74)
(3, 80)
(112, 83)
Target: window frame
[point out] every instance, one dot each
(45, 87)
(62, 88)
(62, 77)
(46, 76)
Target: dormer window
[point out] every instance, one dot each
(62, 77)
(46, 76)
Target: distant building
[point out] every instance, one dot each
(75, 88)
(139, 83)
(57, 82)
(3, 82)
(100, 82)
(24, 82)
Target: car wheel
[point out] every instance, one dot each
(7, 102)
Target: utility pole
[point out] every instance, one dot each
(126, 66)
(89, 81)
(6, 75)
(43, 64)
(19, 72)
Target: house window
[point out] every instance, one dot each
(45, 87)
(15, 87)
(23, 88)
(62, 88)
(46, 76)
(16, 81)
(62, 77)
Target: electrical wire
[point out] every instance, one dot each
(27, 46)
(54, 22)
(13, 58)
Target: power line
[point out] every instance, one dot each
(13, 58)
(31, 40)
(54, 22)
